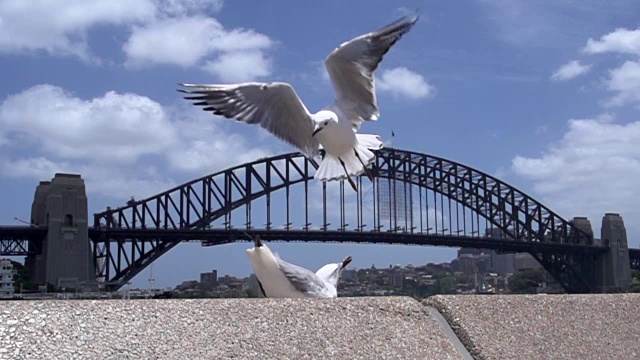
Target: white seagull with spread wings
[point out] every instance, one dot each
(277, 108)
(280, 279)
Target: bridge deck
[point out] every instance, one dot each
(21, 231)
(223, 236)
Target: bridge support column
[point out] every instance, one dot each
(587, 262)
(66, 259)
(612, 268)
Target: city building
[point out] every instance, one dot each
(502, 264)
(524, 261)
(253, 285)
(396, 278)
(227, 279)
(350, 274)
(210, 278)
(6, 279)
(466, 263)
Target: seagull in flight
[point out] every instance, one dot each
(280, 279)
(276, 107)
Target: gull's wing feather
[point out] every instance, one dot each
(351, 66)
(274, 106)
(302, 279)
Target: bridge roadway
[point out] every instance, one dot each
(15, 240)
(224, 236)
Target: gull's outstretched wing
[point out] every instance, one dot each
(302, 279)
(351, 66)
(274, 106)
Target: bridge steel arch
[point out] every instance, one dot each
(128, 238)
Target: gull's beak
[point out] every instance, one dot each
(317, 130)
(257, 241)
(346, 261)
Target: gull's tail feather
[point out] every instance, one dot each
(331, 169)
(366, 143)
(351, 163)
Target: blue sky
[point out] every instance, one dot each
(543, 94)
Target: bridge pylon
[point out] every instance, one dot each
(613, 273)
(65, 259)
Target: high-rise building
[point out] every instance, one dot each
(483, 263)
(502, 264)
(469, 251)
(6, 279)
(467, 264)
(524, 261)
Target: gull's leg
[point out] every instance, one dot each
(366, 169)
(353, 185)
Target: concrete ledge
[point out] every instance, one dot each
(443, 327)
(545, 326)
(361, 328)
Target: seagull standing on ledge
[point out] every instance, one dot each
(277, 108)
(280, 279)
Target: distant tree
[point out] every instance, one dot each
(22, 277)
(635, 288)
(446, 285)
(52, 288)
(526, 282)
(251, 293)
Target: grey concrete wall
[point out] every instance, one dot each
(603, 326)
(599, 326)
(344, 328)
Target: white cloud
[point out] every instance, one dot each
(232, 55)
(239, 66)
(170, 42)
(122, 144)
(625, 82)
(592, 170)
(187, 41)
(200, 152)
(175, 32)
(60, 27)
(517, 21)
(620, 41)
(37, 167)
(542, 129)
(187, 7)
(525, 23)
(113, 128)
(115, 182)
(570, 70)
(402, 82)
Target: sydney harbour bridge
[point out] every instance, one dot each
(415, 199)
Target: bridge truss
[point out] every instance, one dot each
(415, 199)
(21, 240)
(634, 258)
